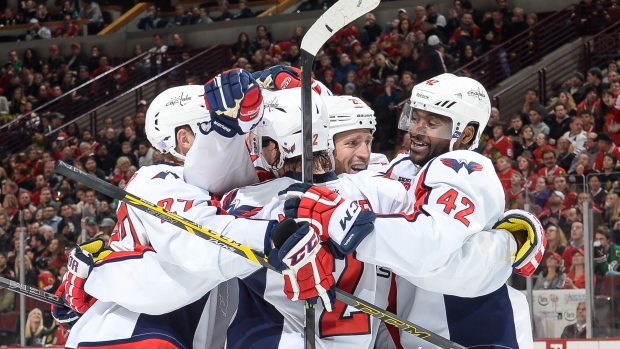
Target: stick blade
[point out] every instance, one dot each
(335, 18)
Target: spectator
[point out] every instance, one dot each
(37, 31)
(29, 10)
(46, 198)
(576, 243)
(46, 277)
(605, 146)
(542, 144)
(552, 277)
(595, 79)
(596, 190)
(381, 70)
(90, 204)
(608, 173)
(67, 30)
(407, 82)
(591, 151)
(519, 24)
(105, 162)
(127, 151)
(429, 63)
(591, 101)
(157, 52)
(418, 23)
(68, 10)
(91, 11)
(407, 61)
(556, 239)
(504, 170)
(92, 231)
(565, 156)
(576, 89)
(500, 145)
(560, 184)
(578, 329)
(551, 169)
(42, 14)
(575, 278)
(532, 103)
(611, 115)
(145, 154)
(576, 135)
(437, 22)
(516, 123)
(244, 10)
(69, 225)
(225, 14)
(554, 213)
(151, 20)
(467, 33)
(107, 226)
(36, 334)
(527, 169)
(9, 18)
(50, 218)
(242, 48)
(606, 253)
(341, 71)
(371, 30)
(566, 99)
(495, 32)
(105, 211)
(515, 189)
(269, 48)
(559, 125)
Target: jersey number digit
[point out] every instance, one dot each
(448, 199)
(336, 323)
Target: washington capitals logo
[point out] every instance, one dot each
(165, 174)
(457, 164)
(289, 151)
(233, 206)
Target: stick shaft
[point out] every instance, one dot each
(31, 292)
(242, 250)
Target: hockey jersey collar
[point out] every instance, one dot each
(317, 178)
(163, 162)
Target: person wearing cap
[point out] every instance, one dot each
(107, 226)
(54, 60)
(89, 226)
(606, 146)
(555, 212)
(576, 88)
(552, 276)
(67, 29)
(576, 276)
(37, 31)
(76, 58)
(371, 31)
(606, 253)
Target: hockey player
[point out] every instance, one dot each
(181, 319)
(456, 195)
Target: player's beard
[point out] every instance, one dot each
(423, 148)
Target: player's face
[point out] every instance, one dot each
(430, 136)
(352, 151)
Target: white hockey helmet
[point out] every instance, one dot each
(177, 106)
(462, 99)
(282, 123)
(348, 113)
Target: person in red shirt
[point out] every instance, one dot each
(551, 169)
(555, 213)
(576, 277)
(612, 116)
(561, 184)
(527, 170)
(504, 171)
(591, 102)
(500, 145)
(542, 142)
(467, 25)
(576, 243)
(103, 67)
(46, 278)
(606, 146)
(67, 29)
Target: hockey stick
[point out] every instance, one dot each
(31, 292)
(335, 18)
(242, 250)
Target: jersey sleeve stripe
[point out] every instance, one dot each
(125, 255)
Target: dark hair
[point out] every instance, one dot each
(612, 157)
(533, 90)
(547, 151)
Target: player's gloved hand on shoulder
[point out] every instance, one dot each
(338, 220)
(306, 264)
(234, 101)
(79, 265)
(530, 236)
(280, 77)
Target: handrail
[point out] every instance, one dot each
(278, 8)
(125, 18)
(137, 87)
(544, 71)
(50, 25)
(68, 93)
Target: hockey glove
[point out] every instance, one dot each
(234, 101)
(65, 316)
(305, 263)
(599, 252)
(335, 219)
(530, 236)
(280, 77)
(79, 265)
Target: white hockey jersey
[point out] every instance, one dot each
(140, 301)
(457, 197)
(266, 318)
